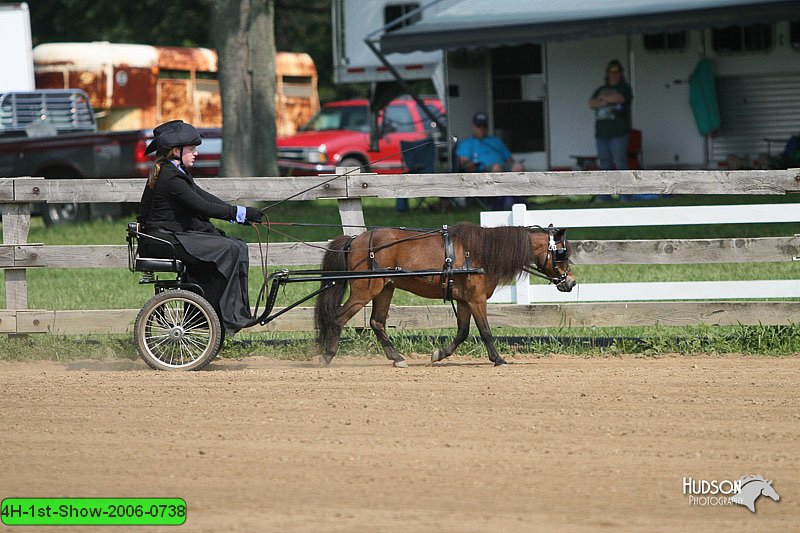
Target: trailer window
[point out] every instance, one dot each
(671, 41)
(395, 11)
(741, 39)
(186, 74)
(297, 86)
(517, 60)
(794, 34)
(518, 96)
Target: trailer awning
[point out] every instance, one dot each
(486, 24)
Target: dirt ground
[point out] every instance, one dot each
(542, 444)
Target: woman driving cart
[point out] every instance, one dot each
(173, 208)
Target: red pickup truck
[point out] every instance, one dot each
(338, 136)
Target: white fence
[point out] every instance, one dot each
(525, 293)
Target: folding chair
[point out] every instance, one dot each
(419, 157)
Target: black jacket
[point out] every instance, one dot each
(177, 204)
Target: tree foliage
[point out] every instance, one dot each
(155, 22)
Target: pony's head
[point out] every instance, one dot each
(551, 256)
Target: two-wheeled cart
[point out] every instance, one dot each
(178, 329)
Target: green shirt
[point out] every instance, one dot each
(613, 120)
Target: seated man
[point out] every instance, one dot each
(487, 153)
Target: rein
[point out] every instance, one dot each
(354, 170)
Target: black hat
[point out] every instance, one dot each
(171, 134)
(480, 119)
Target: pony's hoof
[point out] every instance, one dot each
(500, 362)
(400, 364)
(436, 355)
(324, 361)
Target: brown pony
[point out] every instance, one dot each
(503, 253)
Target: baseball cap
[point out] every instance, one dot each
(480, 119)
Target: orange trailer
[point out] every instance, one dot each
(133, 86)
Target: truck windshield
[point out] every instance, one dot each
(339, 118)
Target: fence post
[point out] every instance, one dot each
(522, 287)
(16, 223)
(351, 211)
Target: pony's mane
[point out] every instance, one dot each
(502, 252)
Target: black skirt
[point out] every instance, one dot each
(219, 264)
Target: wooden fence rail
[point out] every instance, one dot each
(17, 255)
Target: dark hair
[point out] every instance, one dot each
(615, 63)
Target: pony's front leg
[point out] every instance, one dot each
(377, 321)
(463, 314)
(481, 320)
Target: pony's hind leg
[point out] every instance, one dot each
(377, 321)
(463, 315)
(346, 312)
(479, 312)
(361, 293)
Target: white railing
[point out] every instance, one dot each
(524, 293)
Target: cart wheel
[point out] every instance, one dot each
(178, 330)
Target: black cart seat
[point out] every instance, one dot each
(149, 264)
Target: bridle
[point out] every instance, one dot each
(555, 255)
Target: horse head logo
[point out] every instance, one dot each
(751, 488)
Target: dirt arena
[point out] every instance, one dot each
(542, 444)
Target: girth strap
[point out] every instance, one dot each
(447, 269)
(373, 265)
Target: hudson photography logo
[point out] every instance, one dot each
(743, 491)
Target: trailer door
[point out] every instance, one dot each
(518, 101)
(758, 114)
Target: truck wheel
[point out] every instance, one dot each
(353, 162)
(55, 214)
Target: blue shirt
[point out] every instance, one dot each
(483, 152)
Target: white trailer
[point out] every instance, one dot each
(354, 62)
(533, 64)
(16, 73)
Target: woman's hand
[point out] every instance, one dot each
(253, 215)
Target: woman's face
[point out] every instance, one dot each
(614, 75)
(189, 155)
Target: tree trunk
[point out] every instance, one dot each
(243, 34)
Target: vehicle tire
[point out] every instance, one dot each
(55, 214)
(177, 330)
(353, 162)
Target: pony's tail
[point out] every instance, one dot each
(328, 301)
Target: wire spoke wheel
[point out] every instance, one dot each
(177, 330)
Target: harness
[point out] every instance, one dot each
(446, 280)
(448, 273)
(556, 255)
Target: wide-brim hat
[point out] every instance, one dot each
(171, 134)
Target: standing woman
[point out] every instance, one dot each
(175, 209)
(612, 106)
